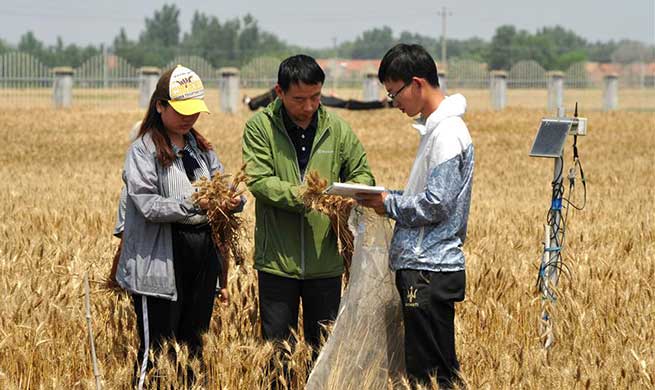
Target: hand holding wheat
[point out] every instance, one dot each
(219, 197)
(335, 207)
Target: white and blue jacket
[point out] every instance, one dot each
(432, 212)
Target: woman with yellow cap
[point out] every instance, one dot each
(168, 261)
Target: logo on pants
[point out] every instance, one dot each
(411, 297)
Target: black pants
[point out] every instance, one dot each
(428, 314)
(197, 265)
(279, 301)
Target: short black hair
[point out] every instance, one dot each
(297, 69)
(403, 61)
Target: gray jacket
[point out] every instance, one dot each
(146, 262)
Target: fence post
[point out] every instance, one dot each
(62, 93)
(611, 92)
(371, 87)
(148, 77)
(443, 81)
(498, 89)
(228, 85)
(555, 90)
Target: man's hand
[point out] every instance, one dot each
(374, 201)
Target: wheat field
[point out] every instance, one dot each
(60, 182)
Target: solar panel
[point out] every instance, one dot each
(550, 138)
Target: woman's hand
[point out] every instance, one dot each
(223, 297)
(203, 203)
(233, 203)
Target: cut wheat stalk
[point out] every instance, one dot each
(228, 229)
(335, 207)
(87, 301)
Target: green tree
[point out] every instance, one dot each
(28, 43)
(628, 51)
(373, 43)
(601, 51)
(248, 38)
(163, 28)
(565, 40)
(567, 59)
(554, 48)
(500, 50)
(4, 47)
(475, 49)
(560, 47)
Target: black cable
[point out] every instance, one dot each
(554, 219)
(577, 166)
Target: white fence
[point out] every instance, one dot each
(108, 81)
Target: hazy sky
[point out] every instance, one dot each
(316, 24)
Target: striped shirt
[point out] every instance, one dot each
(176, 184)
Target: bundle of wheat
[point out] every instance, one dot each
(337, 208)
(228, 229)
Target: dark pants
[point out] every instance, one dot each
(428, 314)
(197, 265)
(279, 301)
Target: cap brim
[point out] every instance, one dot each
(189, 106)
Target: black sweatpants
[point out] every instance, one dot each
(429, 317)
(279, 301)
(197, 265)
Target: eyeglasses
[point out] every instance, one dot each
(393, 96)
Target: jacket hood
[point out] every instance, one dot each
(454, 105)
(451, 106)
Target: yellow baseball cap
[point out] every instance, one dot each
(186, 92)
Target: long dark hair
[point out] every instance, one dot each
(153, 124)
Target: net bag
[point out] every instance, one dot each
(365, 348)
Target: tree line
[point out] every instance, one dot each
(234, 42)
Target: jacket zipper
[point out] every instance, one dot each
(302, 220)
(302, 181)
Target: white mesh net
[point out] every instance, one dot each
(365, 348)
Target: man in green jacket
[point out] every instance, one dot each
(296, 252)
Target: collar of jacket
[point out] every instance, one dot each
(191, 144)
(454, 105)
(274, 111)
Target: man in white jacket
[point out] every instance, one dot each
(431, 214)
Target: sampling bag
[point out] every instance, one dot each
(365, 347)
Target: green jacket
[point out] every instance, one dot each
(291, 241)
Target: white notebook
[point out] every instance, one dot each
(350, 189)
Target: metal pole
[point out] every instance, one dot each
(546, 326)
(335, 67)
(444, 16)
(551, 258)
(105, 69)
(443, 36)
